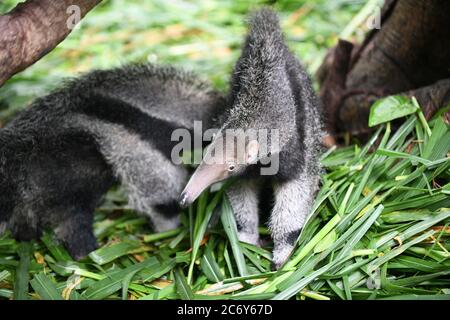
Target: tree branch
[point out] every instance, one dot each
(33, 29)
(408, 55)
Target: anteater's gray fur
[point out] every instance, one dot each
(59, 156)
(271, 90)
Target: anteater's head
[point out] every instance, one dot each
(229, 154)
(262, 109)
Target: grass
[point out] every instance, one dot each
(205, 38)
(381, 222)
(379, 230)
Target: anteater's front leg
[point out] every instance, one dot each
(76, 233)
(243, 197)
(293, 201)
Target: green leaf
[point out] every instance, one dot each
(296, 287)
(424, 265)
(161, 294)
(201, 229)
(162, 235)
(406, 215)
(107, 254)
(402, 155)
(326, 242)
(356, 237)
(397, 251)
(439, 144)
(156, 270)
(4, 275)
(182, 286)
(114, 282)
(210, 267)
(22, 276)
(126, 283)
(45, 287)
(314, 241)
(56, 249)
(229, 225)
(390, 108)
(415, 280)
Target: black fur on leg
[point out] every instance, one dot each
(77, 235)
(169, 209)
(60, 155)
(58, 181)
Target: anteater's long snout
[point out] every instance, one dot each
(203, 177)
(183, 200)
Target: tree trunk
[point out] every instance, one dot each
(410, 54)
(33, 29)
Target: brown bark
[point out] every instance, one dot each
(334, 82)
(433, 97)
(33, 29)
(409, 54)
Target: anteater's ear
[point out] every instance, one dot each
(252, 152)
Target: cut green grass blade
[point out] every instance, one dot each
(311, 244)
(162, 235)
(258, 250)
(229, 225)
(362, 184)
(439, 144)
(6, 293)
(210, 267)
(403, 155)
(345, 233)
(418, 297)
(397, 251)
(183, 289)
(413, 263)
(344, 202)
(302, 270)
(338, 291)
(253, 276)
(4, 275)
(162, 294)
(296, 287)
(22, 276)
(326, 242)
(107, 254)
(423, 225)
(356, 237)
(407, 215)
(347, 290)
(254, 260)
(401, 134)
(421, 116)
(227, 258)
(45, 287)
(199, 234)
(66, 269)
(126, 283)
(57, 250)
(113, 283)
(175, 241)
(417, 280)
(373, 139)
(155, 271)
(421, 202)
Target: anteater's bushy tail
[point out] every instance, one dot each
(264, 23)
(265, 33)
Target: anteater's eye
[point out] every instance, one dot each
(231, 167)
